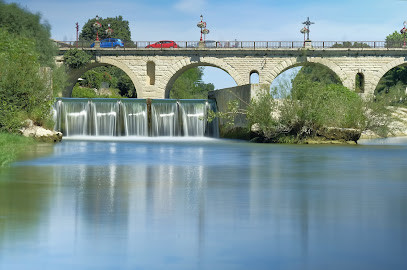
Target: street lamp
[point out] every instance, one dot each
(97, 25)
(403, 31)
(202, 25)
(109, 31)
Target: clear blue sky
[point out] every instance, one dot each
(350, 20)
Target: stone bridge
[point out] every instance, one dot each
(153, 71)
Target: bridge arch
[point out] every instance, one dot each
(383, 70)
(295, 62)
(75, 74)
(181, 66)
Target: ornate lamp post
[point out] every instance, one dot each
(109, 31)
(77, 35)
(97, 25)
(304, 31)
(307, 23)
(403, 31)
(204, 31)
(201, 25)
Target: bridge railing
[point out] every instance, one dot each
(247, 44)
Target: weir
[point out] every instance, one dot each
(134, 117)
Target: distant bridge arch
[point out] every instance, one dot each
(294, 62)
(75, 74)
(183, 65)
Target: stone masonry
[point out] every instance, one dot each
(153, 71)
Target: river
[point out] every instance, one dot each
(206, 204)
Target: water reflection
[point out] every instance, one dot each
(205, 205)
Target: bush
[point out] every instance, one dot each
(311, 107)
(23, 89)
(75, 58)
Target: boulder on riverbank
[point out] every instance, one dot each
(39, 133)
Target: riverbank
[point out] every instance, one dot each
(12, 145)
(397, 126)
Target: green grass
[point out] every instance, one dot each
(11, 145)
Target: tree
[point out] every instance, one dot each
(75, 58)
(314, 73)
(119, 26)
(21, 22)
(190, 85)
(347, 44)
(394, 40)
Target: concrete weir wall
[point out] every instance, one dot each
(243, 94)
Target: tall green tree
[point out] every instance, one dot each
(18, 21)
(119, 26)
(190, 85)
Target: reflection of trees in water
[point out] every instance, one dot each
(25, 198)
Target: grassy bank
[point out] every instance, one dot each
(11, 146)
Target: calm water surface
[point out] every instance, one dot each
(209, 204)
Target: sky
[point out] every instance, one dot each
(245, 20)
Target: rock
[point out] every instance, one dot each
(340, 134)
(39, 133)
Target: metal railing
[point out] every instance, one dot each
(209, 44)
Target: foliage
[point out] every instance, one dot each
(347, 44)
(23, 89)
(190, 85)
(113, 76)
(394, 40)
(119, 26)
(260, 114)
(18, 21)
(59, 80)
(391, 89)
(85, 92)
(11, 145)
(315, 73)
(311, 107)
(75, 58)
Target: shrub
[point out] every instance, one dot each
(75, 58)
(23, 89)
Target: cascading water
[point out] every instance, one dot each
(193, 117)
(135, 117)
(75, 115)
(164, 118)
(104, 114)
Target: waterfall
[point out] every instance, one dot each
(135, 117)
(75, 113)
(164, 118)
(193, 117)
(104, 115)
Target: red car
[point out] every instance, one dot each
(163, 44)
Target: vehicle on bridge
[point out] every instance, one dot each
(110, 43)
(163, 44)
